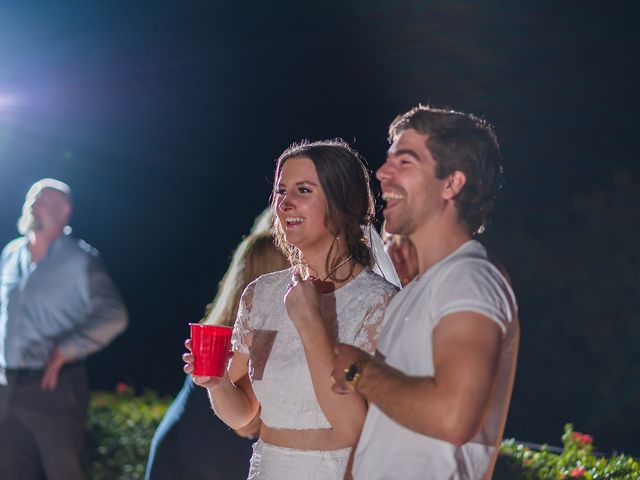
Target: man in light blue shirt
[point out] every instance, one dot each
(57, 306)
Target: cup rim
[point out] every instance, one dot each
(196, 324)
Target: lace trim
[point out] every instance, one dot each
(367, 337)
(242, 335)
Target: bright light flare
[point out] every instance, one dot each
(7, 101)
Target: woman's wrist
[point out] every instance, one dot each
(220, 384)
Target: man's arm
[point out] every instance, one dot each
(450, 405)
(107, 317)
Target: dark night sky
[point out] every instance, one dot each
(166, 117)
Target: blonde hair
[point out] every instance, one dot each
(255, 255)
(26, 219)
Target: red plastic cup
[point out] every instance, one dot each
(211, 347)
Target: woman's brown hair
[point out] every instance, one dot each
(345, 181)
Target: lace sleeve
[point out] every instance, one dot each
(242, 330)
(367, 337)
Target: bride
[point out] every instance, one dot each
(289, 321)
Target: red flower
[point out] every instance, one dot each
(581, 438)
(587, 439)
(577, 472)
(122, 387)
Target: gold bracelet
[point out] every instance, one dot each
(353, 373)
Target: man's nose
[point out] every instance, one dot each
(384, 172)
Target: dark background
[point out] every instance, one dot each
(166, 118)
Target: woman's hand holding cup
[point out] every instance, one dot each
(210, 368)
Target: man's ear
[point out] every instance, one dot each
(454, 184)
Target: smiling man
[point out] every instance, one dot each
(440, 384)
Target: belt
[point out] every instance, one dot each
(26, 374)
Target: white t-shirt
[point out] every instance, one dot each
(463, 281)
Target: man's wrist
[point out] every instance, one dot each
(354, 372)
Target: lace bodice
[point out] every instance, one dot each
(277, 367)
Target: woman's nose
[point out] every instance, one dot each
(285, 202)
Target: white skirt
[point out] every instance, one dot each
(270, 462)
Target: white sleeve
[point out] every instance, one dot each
(475, 286)
(242, 331)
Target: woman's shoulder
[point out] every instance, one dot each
(269, 280)
(369, 286)
(262, 289)
(374, 282)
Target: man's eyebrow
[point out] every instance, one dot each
(403, 151)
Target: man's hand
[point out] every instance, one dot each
(346, 355)
(302, 301)
(50, 378)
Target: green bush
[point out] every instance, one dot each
(577, 460)
(120, 426)
(119, 430)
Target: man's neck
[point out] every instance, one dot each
(39, 243)
(437, 240)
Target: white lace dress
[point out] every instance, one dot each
(278, 367)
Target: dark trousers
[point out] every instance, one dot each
(42, 433)
(191, 442)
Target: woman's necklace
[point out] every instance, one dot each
(313, 277)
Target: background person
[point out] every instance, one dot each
(190, 442)
(57, 306)
(403, 254)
